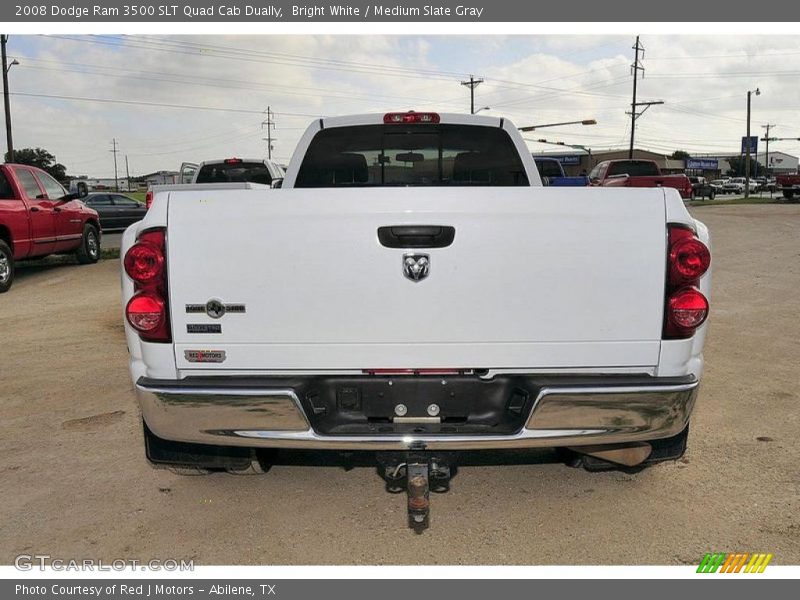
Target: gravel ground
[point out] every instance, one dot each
(76, 484)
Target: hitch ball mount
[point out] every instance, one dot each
(418, 474)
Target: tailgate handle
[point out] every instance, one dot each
(416, 236)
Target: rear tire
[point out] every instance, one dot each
(89, 251)
(693, 195)
(711, 195)
(6, 267)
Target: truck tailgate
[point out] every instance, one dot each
(534, 278)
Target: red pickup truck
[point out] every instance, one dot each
(39, 217)
(637, 173)
(789, 185)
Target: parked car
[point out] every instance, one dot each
(116, 211)
(719, 185)
(228, 170)
(552, 174)
(413, 288)
(702, 188)
(736, 185)
(39, 217)
(637, 173)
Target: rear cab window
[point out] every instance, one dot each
(633, 168)
(548, 168)
(411, 155)
(234, 171)
(28, 183)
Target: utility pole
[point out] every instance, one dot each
(115, 150)
(634, 113)
(127, 174)
(6, 99)
(635, 66)
(768, 126)
(270, 124)
(472, 84)
(757, 92)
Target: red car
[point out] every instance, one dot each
(39, 217)
(637, 173)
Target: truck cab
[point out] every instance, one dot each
(233, 170)
(552, 174)
(638, 174)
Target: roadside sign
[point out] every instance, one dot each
(753, 144)
(566, 159)
(704, 164)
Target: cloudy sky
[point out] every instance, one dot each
(170, 99)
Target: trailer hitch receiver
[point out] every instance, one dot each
(418, 474)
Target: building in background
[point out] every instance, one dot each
(712, 166)
(159, 178)
(101, 184)
(779, 162)
(577, 161)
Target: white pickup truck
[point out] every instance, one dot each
(414, 288)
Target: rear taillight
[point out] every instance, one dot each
(148, 309)
(146, 312)
(144, 262)
(410, 117)
(148, 199)
(687, 309)
(688, 259)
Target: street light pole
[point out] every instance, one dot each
(747, 145)
(6, 98)
(535, 127)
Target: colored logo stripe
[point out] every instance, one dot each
(734, 562)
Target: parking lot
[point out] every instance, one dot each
(76, 483)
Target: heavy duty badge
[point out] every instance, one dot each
(215, 308)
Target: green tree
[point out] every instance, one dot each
(39, 157)
(680, 155)
(737, 164)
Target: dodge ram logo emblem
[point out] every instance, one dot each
(416, 266)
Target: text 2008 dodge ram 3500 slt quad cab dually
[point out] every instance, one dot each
(414, 290)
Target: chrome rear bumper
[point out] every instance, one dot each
(273, 417)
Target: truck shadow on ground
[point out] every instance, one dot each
(463, 458)
(28, 269)
(384, 463)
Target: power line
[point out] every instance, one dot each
(205, 50)
(195, 80)
(158, 104)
